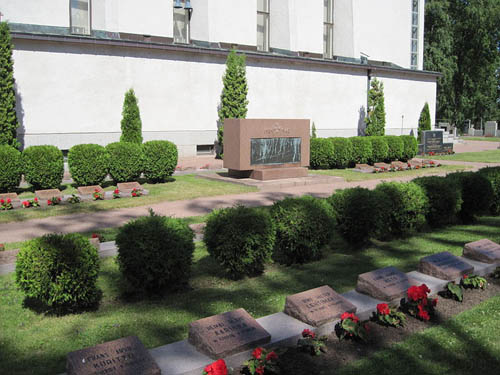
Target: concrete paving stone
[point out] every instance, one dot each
(365, 304)
(480, 268)
(433, 283)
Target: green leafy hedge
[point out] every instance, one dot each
(380, 149)
(321, 153)
(88, 164)
(43, 166)
(11, 168)
(160, 160)
(125, 161)
(492, 174)
(395, 148)
(342, 152)
(362, 150)
(410, 147)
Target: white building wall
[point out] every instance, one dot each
(232, 21)
(343, 28)
(281, 25)
(148, 17)
(36, 12)
(307, 25)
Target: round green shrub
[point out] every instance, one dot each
(61, 271)
(342, 152)
(444, 199)
(410, 147)
(492, 174)
(362, 150)
(476, 193)
(380, 149)
(357, 213)
(303, 227)
(241, 239)
(160, 160)
(396, 148)
(405, 206)
(155, 253)
(43, 166)
(321, 153)
(125, 161)
(88, 164)
(11, 168)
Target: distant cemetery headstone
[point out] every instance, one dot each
(444, 266)
(387, 284)
(317, 306)
(382, 165)
(432, 141)
(48, 193)
(364, 168)
(224, 334)
(399, 164)
(484, 250)
(127, 187)
(125, 356)
(89, 190)
(490, 129)
(12, 196)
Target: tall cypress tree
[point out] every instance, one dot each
(8, 117)
(375, 120)
(234, 94)
(131, 122)
(424, 122)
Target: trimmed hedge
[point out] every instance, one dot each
(11, 168)
(362, 150)
(404, 209)
(61, 271)
(493, 176)
(357, 213)
(241, 239)
(321, 153)
(342, 152)
(303, 227)
(444, 199)
(410, 147)
(476, 193)
(380, 149)
(395, 148)
(43, 166)
(160, 160)
(88, 164)
(125, 161)
(155, 253)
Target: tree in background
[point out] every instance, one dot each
(375, 120)
(131, 121)
(424, 122)
(313, 131)
(234, 94)
(8, 117)
(462, 40)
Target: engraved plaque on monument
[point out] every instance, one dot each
(432, 140)
(317, 306)
(224, 334)
(125, 356)
(268, 151)
(386, 284)
(444, 266)
(484, 250)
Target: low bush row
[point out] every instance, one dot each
(89, 164)
(328, 153)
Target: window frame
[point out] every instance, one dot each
(89, 23)
(414, 42)
(328, 27)
(187, 17)
(266, 16)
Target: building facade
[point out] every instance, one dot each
(75, 59)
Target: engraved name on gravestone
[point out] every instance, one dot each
(484, 250)
(125, 356)
(432, 141)
(274, 150)
(127, 187)
(228, 333)
(386, 284)
(444, 266)
(89, 190)
(317, 306)
(48, 193)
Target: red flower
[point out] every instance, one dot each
(434, 302)
(134, 194)
(2, 201)
(96, 190)
(8, 200)
(308, 333)
(465, 277)
(257, 353)
(117, 191)
(383, 309)
(423, 313)
(49, 202)
(26, 203)
(95, 235)
(272, 356)
(216, 368)
(351, 316)
(259, 370)
(59, 199)
(416, 293)
(35, 199)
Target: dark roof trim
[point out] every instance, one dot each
(211, 49)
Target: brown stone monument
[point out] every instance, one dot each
(444, 266)
(484, 250)
(386, 284)
(266, 149)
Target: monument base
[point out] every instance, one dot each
(270, 173)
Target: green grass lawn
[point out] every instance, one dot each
(352, 175)
(489, 156)
(466, 344)
(487, 139)
(36, 343)
(180, 188)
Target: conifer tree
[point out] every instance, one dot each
(234, 94)
(313, 131)
(424, 122)
(375, 120)
(131, 121)
(8, 117)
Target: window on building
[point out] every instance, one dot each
(80, 16)
(414, 34)
(263, 25)
(181, 25)
(328, 29)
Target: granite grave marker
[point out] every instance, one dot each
(48, 194)
(484, 250)
(387, 284)
(89, 190)
(444, 266)
(127, 187)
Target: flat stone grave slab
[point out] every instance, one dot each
(125, 356)
(48, 193)
(317, 306)
(224, 334)
(89, 190)
(415, 163)
(11, 196)
(386, 284)
(382, 165)
(399, 164)
(364, 168)
(484, 250)
(127, 187)
(444, 266)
